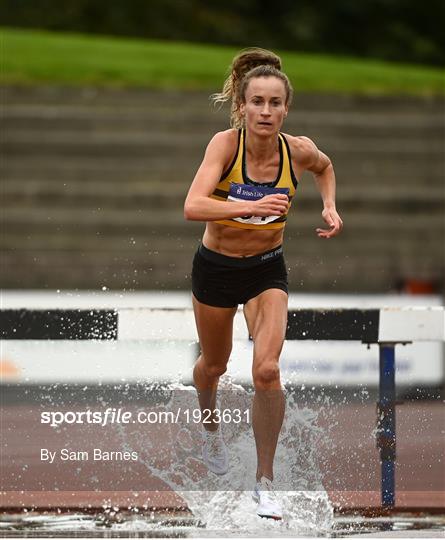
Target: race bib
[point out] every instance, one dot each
(245, 192)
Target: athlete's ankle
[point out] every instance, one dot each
(267, 476)
(211, 429)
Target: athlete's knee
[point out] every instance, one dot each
(266, 374)
(214, 371)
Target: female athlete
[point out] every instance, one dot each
(243, 190)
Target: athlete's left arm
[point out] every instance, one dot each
(319, 164)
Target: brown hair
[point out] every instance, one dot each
(247, 65)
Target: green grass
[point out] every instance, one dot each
(40, 57)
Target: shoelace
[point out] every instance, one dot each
(270, 496)
(267, 493)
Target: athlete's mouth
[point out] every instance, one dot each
(265, 123)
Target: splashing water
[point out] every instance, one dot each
(224, 503)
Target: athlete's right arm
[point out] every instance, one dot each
(198, 204)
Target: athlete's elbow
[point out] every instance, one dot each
(187, 213)
(190, 213)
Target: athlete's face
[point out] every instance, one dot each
(264, 108)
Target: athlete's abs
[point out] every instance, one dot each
(240, 242)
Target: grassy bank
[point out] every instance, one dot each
(38, 57)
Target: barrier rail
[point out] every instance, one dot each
(386, 327)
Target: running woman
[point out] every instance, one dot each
(243, 190)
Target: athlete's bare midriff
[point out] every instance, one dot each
(236, 242)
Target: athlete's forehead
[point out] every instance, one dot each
(265, 87)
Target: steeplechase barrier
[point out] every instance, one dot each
(386, 327)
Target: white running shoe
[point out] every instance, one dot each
(214, 451)
(264, 495)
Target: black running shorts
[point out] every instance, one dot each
(222, 281)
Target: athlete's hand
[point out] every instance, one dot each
(271, 205)
(334, 222)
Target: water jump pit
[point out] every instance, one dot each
(326, 467)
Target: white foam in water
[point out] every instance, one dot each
(304, 512)
(224, 503)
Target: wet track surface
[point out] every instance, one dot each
(50, 525)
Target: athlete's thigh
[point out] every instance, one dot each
(215, 331)
(266, 317)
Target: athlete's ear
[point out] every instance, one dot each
(242, 108)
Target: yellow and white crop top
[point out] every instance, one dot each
(235, 185)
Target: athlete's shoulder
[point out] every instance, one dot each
(227, 138)
(301, 145)
(303, 149)
(224, 145)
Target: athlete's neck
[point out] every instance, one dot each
(261, 148)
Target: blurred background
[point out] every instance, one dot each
(106, 117)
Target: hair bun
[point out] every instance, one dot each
(251, 58)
